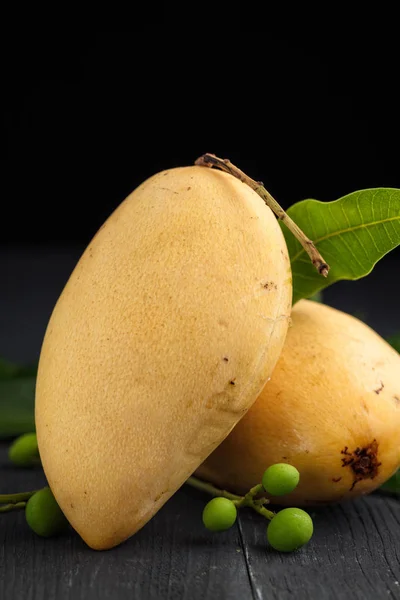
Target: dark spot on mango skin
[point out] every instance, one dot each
(362, 461)
(365, 407)
(269, 285)
(396, 399)
(169, 190)
(380, 388)
(157, 498)
(285, 256)
(336, 479)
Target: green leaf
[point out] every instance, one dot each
(17, 406)
(392, 484)
(9, 370)
(352, 234)
(394, 340)
(17, 399)
(317, 297)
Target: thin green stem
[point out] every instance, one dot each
(4, 508)
(261, 501)
(268, 514)
(15, 498)
(204, 486)
(249, 497)
(256, 504)
(248, 500)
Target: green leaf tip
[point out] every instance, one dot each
(394, 340)
(17, 398)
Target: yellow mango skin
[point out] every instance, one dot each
(331, 409)
(163, 337)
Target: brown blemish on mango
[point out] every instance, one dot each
(362, 461)
(321, 390)
(161, 313)
(380, 388)
(268, 285)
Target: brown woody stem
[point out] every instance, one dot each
(210, 160)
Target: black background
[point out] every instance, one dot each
(87, 116)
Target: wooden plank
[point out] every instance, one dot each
(353, 555)
(172, 557)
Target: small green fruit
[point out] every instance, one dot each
(43, 514)
(290, 529)
(280, 479)
(24, 451)
(219, 514)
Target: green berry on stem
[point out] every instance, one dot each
(219, 514)
(280, 479)
(24, 451)
(43, 514)
(290, 529)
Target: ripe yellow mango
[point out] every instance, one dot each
(163, 337)
(331, 409)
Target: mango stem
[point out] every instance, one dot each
(210, 160)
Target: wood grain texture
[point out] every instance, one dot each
(172, 557)
(353, 555)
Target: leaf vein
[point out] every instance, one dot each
(348, 230)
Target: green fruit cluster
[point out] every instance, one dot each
(288, 530)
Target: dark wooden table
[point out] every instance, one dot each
(353, 555)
